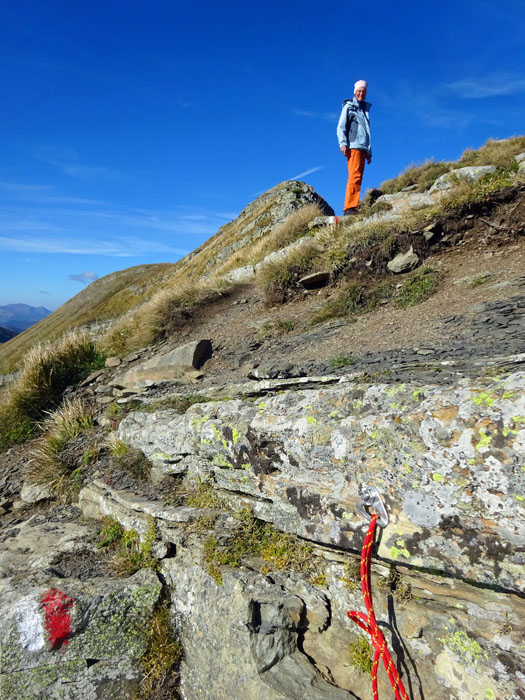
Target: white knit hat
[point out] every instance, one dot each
(360, 84)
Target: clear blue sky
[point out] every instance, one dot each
(131, 130)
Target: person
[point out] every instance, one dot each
(353, 134)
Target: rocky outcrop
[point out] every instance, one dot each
(62, 637)
(448, 463)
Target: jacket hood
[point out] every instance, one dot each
(353, 100)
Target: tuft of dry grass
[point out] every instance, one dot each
(51, 466)
(47, 370)
(161, 659)
(161, 315)
(422, 175)
(288, 232)
(278, 278)
(494, 152)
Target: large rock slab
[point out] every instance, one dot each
(167, 367)
(280, 637)
(62, 637)
(448, 461)
(68, 639)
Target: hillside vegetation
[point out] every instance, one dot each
(133, 308)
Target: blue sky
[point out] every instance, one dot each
(130, 131)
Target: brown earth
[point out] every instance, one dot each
(480, 265)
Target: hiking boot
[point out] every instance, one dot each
(350, 212)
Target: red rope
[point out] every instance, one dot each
(368, 622)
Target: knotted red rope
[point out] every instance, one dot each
(368, 622)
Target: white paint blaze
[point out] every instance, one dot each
(29, 624)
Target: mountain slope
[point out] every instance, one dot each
(109, 297)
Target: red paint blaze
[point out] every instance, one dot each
(58, 620)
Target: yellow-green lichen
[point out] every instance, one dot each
(437, 477)
(311, 420)
(484, 440)
(466, 649)
(484, 398)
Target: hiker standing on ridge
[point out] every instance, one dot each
(353, 134)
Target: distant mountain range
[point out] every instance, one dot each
(18, 317)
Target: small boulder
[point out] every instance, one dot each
(471, 172)
(33, 493)
(167, 367)
(403, 262)
(112, 362)
(315, 279)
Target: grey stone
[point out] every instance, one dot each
(471, 172)
(520, 158)
(113, 362)
(403, 262)
(315, 279)
(33, 493)
(167, 367)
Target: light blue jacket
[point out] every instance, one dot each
(353, 129)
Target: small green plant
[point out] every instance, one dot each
(342, 361)
(479, 280)
(319, 580)
(128, 458)
(204, 495)
(255, 538)
(418, 288)
(352, 575)
(111, 532)
(394, 584)
(161, 659)
(133, 554)
(360, 655)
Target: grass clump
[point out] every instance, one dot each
(279, 327)
(161, 316)
(130, 552)
(423, 175)
(468, 191)
(47, 370)
(278, 278)
(204, 495)
(352, 575)
(395, 585)
(351, 299)
(360, 655)
(418, 288)
(342, 361)
(111, 532)
(161, 659)
(54, 465)
(129, 459)
(255, 538)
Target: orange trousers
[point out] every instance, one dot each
(356, 167)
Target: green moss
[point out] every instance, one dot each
(360, 655)
(352, 575)
(418, 288)
(342, 361)
(255, 538)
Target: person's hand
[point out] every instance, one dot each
(344, 150)
(369, 159)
